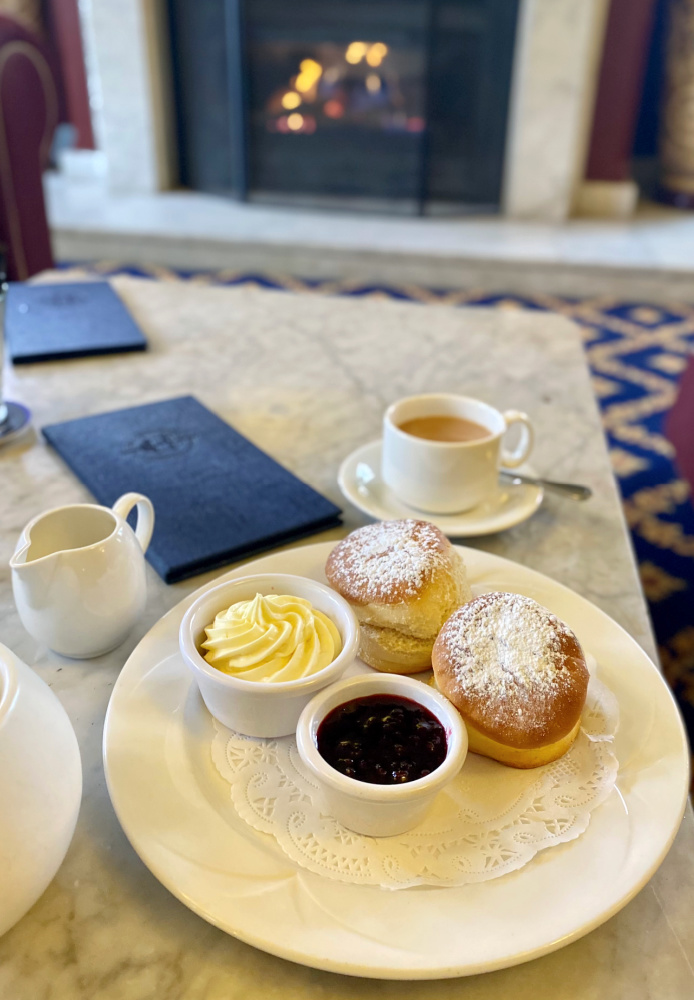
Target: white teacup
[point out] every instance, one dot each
(78, 575)
(448, 477)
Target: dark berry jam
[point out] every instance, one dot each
(383, 739)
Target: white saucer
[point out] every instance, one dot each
(18, 419)
(360, 480)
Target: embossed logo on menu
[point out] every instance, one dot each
(62, 298)
(54, 300)
(162, 443)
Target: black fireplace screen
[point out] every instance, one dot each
(399, 103)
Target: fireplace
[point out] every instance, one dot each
(399, 105)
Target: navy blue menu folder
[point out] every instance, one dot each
(53, 322)
(216, 496)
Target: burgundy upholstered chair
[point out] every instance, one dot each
(30, 108)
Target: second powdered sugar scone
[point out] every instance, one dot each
(403, 579)
(517, 675)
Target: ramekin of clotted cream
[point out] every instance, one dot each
(273, 637)
(259, 648)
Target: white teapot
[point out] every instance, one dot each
(78, 575)
(40, 786)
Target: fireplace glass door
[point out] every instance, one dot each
(385, 104)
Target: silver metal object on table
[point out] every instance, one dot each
(572, 491)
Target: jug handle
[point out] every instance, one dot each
(145, 515)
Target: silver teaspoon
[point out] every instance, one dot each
(573, 491)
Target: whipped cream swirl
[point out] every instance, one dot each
(271, 638)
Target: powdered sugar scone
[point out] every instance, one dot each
(517, 675)
(403, 579)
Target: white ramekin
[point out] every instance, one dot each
(380, 810)
(250, 707)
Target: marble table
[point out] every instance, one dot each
(307, 379)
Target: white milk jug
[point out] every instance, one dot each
(78, 575)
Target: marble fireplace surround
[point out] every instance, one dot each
(556, 62)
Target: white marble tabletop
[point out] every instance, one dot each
(307, 379)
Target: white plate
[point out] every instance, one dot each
(360, 480)
(177, 813)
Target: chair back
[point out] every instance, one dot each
(29, 113)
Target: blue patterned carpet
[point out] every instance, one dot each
(636, 353)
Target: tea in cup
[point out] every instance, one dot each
(442, 452)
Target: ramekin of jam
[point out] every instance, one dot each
(381, 747)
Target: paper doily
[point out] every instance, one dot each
(490, 821)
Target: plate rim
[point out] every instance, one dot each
(393, 973)
(480, 530)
